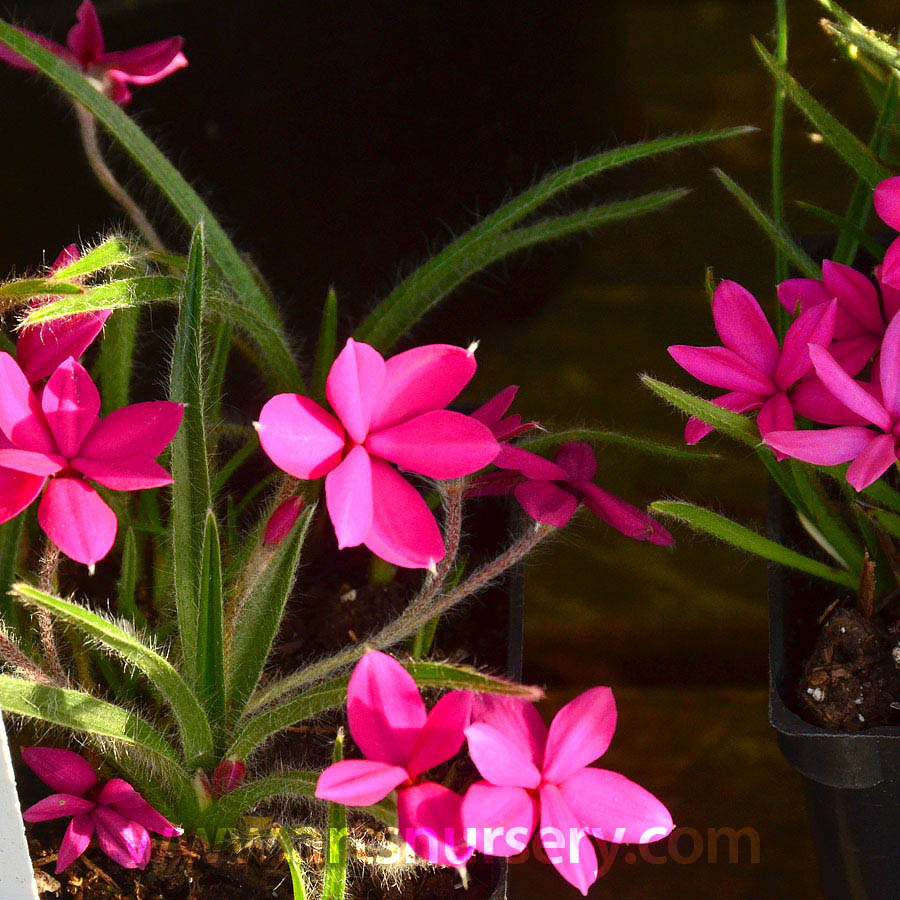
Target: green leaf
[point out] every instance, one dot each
(333, 694)
(280, 366)
(849, 147)
(708, 522)
(598, 438)
(326, 348)
(228, 810)
(191, 496)
(211, 638)
(886, 520)
(780, 238)
(781, 52)
(295, 865)
(81, 712)
(128, 581)
(218, 365)
(334, 884)
(846, 226)
(414, 296)
(879, 491)
(193, 726)
(738, 427)
(10, 544)
(116, 359)
(236, 460)
(114, 251)
(26, 288)
(259, 613)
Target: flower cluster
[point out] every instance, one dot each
(533, 778)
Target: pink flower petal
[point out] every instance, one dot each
(802, 294)
(547, 503)
(578, 460)
(142, 429)
(812, 400)
(31, 463)
(613, 808)
(421, 380)
(404, 531)
(579, 733)
(134, 474)
(854, 353)
(118, 87)
(57, 806)
(443, 734)
(721, 367)
(299, 436)
(743, 326)
(890, 268)
(353, 387)
(695, 429)
(846, 390)
(17, 492)
(856, 295)
(359, 782)
(348, 495)
(430, 820)
(85, 39)
(75, 841)
(42, 349)
(776, 414)
(21, 418)
(873, 462)
(61, 770)
(499, 821)
(887, 202)
(826, 447)
(565, 843)
(71, 405)
(500, 759)
(529, 464)
(494, 484)
(282, 521)
(126, 801)
(815, 326)
(492, 412)
(889, 368)
(625, 518)
(439, 444)
(518, 720)
(148, 63)
(890, 296)
(123, 841)
(77, 520)
(384, 709)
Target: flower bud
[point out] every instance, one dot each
(228, 775)
(203, 788)
(282, 521)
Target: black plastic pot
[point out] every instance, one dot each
(852, 781)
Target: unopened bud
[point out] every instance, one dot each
(228, 775)
(282, 521)
(203, 788)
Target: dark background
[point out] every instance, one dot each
(340, 141)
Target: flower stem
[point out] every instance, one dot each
(87, 126)
(16, 657)
(49, 570)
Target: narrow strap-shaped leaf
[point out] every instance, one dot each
(234, 462)
(191, 497)
(333, 694)
(846, 226)
(211, 638)
(228, 810)
(217, 368)
(846, 144)
(709, 522)
(415, 295)
(81, 712)
(280, 367)
(781, 53)
(780, 238)
(598, 437)
(295, 865)
(259, 615)
(128, 579)
(334, 882)
(881, 492)
(735, 426)
(326, 348)
(116, 359)
(10, 543)
(192, 723)
(114, 251)
(886, 520)
(25, 288)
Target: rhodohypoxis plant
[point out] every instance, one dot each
(162, 659)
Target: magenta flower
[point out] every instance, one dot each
(85, 49)
(119, 815)
(860, 322)
(751, 366)
(42, 349)
(387, 412)
(872, 452)
(401, 741)
(282, 521)
(534, 775)
(56, 440)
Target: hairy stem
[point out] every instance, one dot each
(16, 657)
(90, 140)
(49, 569)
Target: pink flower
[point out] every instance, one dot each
(873, 451)
(751, 366)
(56, 439)
(282, 521)
(387, 412)
(42, 349)
(400, 742)
(85, 49)
(860, 322)
(120, 816)
(228, 776)
(550, 492)
(532, 775)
